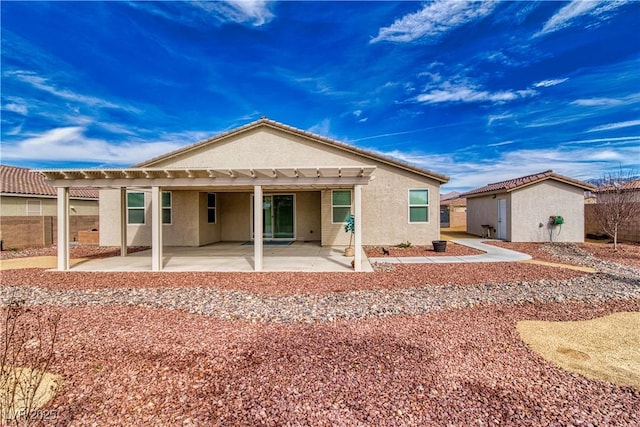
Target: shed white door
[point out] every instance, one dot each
(502, 219)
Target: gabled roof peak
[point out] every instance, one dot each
(523, 181)
(266, 122)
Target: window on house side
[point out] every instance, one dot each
(135, 208)
(34, 207)
(419, 205)
(166, 207)
(211, 208)
(340, 206)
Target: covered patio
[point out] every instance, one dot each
(233, 256)
(260, 181)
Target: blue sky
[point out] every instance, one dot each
(480, 91)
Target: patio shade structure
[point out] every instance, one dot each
(158, 179)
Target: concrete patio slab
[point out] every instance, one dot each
(233, 256)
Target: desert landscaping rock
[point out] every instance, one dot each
(420, 345)
(239, 305)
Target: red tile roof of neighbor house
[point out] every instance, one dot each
(21, 181)
(265, 122)
(523, 181)
(458, 201)
(625, 186)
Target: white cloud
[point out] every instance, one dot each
(70, 144)
(16, 108)
(618, 125)
(255, 12)
(434, 19)
(500, 144)
(322, 128)
(206, 13)
(472, 169)
(497, 117)
(43, 84)
(548, 83)
(595, 102)
(456, 93)
(564, 17)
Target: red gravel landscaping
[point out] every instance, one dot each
(139, 366)
(394, 251)
(288, 283)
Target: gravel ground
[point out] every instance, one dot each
(627, 254)
(77, 251)
(158, 367)
(453, 249)
(428, 345)
(288, 283)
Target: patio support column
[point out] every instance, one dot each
(156, 229)
(123, 221)
(257, 228)
(63, 228)
(357, 196)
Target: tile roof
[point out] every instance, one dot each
(626, 186)
(16, 180)
(523, 181)
(458, 201)
(318, 138)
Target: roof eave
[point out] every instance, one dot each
(443, 179)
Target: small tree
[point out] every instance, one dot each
(27, 341)
(350, 227)
(617, 202)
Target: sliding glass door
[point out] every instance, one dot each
(277, 216)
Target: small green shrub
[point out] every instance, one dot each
(403, 245)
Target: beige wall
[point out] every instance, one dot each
(534, 204)
(484, 210)
(235, 216)
(209, 233)
(308, 215)
(17, 206)
(384, 199)
(529, 207)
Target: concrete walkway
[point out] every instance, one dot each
(493, 254)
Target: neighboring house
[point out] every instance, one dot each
(521, 209)
(629, 231)
(28, 209)
(308, 186)
(453, 210)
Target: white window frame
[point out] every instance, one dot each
(212, 208)
(409, 206)
(169, 208)
(143, 208)
(341, 206)
(37, 203)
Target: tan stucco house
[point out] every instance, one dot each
(308, 186)
(541, 207)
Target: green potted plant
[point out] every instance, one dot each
(349, 227)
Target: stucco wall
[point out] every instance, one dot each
(17, 206)
(308, 215)
(484, 210)
(385, 199)
(534, 204)
(208, 233)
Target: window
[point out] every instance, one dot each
(340, 205)
(419, 205)
(34, 207)
(166, 207)
(211, 208)
(135, 208)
